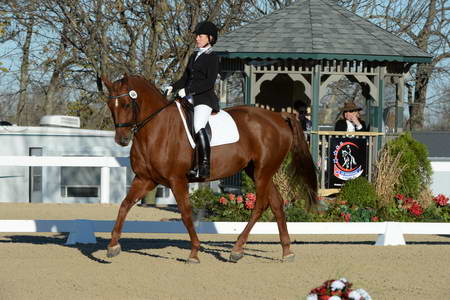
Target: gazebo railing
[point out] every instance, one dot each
(323, 157)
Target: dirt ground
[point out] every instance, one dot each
(151, 266)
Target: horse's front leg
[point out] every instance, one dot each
(181, 193)
(138, 189)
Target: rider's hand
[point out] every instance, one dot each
(169, 90)
(182, 93)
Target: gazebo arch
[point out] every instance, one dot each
(317, 42)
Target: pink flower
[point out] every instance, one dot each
(223, 200)
(251, 197)
(374, 219)
(239, 199)
(231, 197)
(249, 204)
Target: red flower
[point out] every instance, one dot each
(441, 200)
(239, 199)
(400, 197)
(374, 219)
(223, 200)
(347, 217)
(285, 202)
(231, 197)
(408, 200)
(416, 209)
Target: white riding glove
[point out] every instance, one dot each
(169, 90)
(182, 93)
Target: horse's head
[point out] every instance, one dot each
(124, 107)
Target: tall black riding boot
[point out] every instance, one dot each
(203, 150)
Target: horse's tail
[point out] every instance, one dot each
(302, 168)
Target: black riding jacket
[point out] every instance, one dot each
(199, 79)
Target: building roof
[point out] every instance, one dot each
(316, 29)
(437, 142)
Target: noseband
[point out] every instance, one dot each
(136, 125)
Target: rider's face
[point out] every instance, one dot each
(201, 40)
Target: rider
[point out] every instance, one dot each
(197, 86)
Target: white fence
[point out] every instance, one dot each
(83, 231)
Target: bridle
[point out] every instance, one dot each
(135, 124)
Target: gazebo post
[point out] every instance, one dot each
(380, 125)
(315, 112)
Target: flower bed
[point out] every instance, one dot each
(231, 207)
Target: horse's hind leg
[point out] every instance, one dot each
(276, 204)
(181, 193)
(138, 190)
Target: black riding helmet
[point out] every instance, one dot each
(207, 28)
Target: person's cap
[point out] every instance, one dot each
(350, 106)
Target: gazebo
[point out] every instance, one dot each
(308, 45)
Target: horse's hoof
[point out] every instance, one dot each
(235, 256)
(113, 251)
(192, 261)
(288, 258)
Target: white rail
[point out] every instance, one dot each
(83, 231)
(105, 162)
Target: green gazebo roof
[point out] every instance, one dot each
(316, 29)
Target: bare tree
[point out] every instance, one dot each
(423, 23)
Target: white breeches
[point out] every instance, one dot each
(201, 116)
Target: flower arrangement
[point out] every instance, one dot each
(337, 290)
(410, 205)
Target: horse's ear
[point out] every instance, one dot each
(107, 82)
(125, 77)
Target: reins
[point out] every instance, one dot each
(138, 124)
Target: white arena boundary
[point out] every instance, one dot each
(83, 231)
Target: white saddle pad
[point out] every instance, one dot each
(223, 128)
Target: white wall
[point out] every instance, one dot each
(441, 178)
(15, 140)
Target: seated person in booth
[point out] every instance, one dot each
(350, 120)
(302, 111)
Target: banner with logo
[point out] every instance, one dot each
(347, 160)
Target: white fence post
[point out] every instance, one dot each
(105, 185)
(393, 235)
(82, 232)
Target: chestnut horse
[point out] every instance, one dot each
(161, 154)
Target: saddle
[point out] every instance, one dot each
(188, 111)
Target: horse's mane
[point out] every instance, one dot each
(148, 84)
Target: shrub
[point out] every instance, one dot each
(359, 192)
(290, 191)
(416, 171)
(386, 177)
(202, 199)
